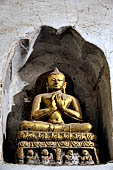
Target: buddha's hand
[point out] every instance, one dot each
(60, 102)
(53, 102)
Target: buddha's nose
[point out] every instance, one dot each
(56, 81)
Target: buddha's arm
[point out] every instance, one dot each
(38, 113)
(76, 112)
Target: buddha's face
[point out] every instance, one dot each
(56, 81)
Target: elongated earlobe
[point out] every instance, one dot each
(64, 87)
(47, 87)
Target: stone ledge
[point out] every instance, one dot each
(108, 166)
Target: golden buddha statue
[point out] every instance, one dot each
(59, 106)
(56, 129)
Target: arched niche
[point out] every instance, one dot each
(87, 73)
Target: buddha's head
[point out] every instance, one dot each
(56, 81)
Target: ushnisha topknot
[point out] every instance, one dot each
(55, 72)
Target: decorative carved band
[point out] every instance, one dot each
(61, 144)
(55, 136)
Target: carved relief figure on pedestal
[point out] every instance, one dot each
(46, 157)
(86, 158)
(32, 158)
(69, 157)
(76, 158)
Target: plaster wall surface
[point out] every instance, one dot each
(92, 19)
(21, 19)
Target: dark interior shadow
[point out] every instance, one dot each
(87, 76)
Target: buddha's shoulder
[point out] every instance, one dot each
(70, 96)
(43, 95)
(48, 95)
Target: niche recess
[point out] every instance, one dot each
(84, 65)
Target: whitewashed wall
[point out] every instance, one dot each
(93, 19)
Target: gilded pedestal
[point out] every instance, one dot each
(55, 148)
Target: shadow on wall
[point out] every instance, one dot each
(87, 74)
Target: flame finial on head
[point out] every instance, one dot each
(56, 71)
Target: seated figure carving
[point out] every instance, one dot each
(59, 106)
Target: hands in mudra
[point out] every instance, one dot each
(58, 102)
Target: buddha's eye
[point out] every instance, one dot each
(53, 79)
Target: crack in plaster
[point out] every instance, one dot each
(66, 13)
(39, 18)
(104, 6)
(77, 16)
(76, 22)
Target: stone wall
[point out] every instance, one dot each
(19, 19)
